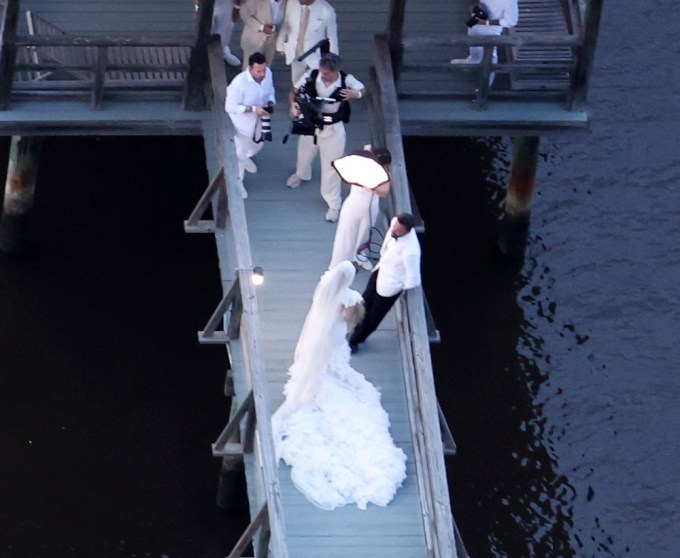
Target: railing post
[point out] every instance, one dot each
(197, 76)
(585, 55)
(484, 78)
(395, 32)
(8, 51)
(99, 77)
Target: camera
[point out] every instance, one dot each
(478, 12)
(266, 124)
(311, 114)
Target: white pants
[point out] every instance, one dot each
(477, 52)
(222, 24)
(297, 70)
(330, 145)
(358, 214)
(245, 148)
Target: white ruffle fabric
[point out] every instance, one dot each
(332, 429)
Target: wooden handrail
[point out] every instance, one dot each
(516, 39)
(74, 40)
(418, 374)
(237, 241)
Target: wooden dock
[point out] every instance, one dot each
(284, 230)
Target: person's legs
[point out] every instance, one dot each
(377, 308)
(306, 152)
(332, 147)
(297, 70)
(269, 49)
(223, 25)
(245, 149)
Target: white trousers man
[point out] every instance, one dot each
(330, 145)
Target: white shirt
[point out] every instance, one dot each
(399, 263)
(505, 11)
(244, 92)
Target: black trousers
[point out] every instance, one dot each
(377, 308)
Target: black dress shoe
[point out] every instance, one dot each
(353, 347)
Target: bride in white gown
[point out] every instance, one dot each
(331, 428)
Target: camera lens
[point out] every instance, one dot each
(266, 123)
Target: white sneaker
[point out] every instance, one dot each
(230, 59)
(294, 181)
(365, 264)
(332, 215)
(459, 61)
(250, 166)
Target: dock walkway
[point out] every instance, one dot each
(292, 241)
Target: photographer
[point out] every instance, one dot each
(330, 91)
(250, 101)
(488, 18)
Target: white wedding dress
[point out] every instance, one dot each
(332, 429)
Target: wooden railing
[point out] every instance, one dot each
(230, 228)
(582, 21)
(414, 341)
(140, 67)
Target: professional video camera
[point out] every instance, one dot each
(479, 11)
(311, 114)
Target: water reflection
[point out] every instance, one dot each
(510, 497)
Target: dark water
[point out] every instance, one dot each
(559, 376)
(108, 405)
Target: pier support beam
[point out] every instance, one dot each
(231, 484)
(514, 229)
(22, 171)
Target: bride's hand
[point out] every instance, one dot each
(348, 313)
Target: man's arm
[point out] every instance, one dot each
(232, 103)
(510, 15)
(354, 88)
(282, 37)
(412, 265)
(250, 20)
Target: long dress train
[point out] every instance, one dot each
(331, 428)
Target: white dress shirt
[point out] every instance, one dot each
(244, 92)
(399, 263)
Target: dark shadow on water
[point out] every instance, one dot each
(108, 405)
(508, 501)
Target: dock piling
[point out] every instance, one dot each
(514, 228)
(22, 171)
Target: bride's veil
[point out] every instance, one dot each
(322, 335)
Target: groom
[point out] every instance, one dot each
(397, 270)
